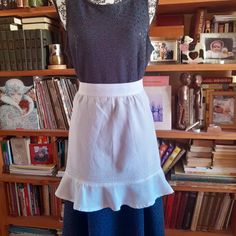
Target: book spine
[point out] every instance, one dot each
(18, 54)
(22, 46)
(167, 154)
(11, 50)
(28, 50)
(33, 49)
(171, 158)
(5, 50)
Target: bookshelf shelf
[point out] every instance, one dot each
(35, 221)
(174, 232)
(191, 67)
(40, 180)
(44, 132)
(150, 68)
(49, 11)
(170, 134)
(189, 6)
(205, 187)
(69, 72)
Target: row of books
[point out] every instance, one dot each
(44, 102)
(54, 98)
(12, 4)
(203, 211)
(20, 156)
(30, 231)
(32, 200)
(200, 161)
(202, 23)
(24, 49)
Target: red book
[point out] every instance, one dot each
(169, 209)
(175, 212)
(182, 206)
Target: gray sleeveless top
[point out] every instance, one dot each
(108, 43)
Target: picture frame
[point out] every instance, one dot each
(160, 105)
(41, 153)
(219, 47)
(165, 50)
(222, 109)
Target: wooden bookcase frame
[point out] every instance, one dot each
(165, 6)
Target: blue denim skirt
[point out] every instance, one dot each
(127, 221)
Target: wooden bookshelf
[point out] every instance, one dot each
(68, 72)
(201, 186)
(165, 6)
(40, 132)
(174, 232)
(49, 11)
(190, 6)
(150, 68)
(35, 221)
(39, 180)
(167, 134)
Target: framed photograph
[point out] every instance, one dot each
(219, 47)
(222, 109)
(41, 153)
(164, 50)
(160, 105)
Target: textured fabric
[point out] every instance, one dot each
(61, 8)
(126, 222)
(108, 43)
(113, 157)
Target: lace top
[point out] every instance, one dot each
(61, 7)
(108, 43)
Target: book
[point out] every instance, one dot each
(39, 19)
(160, 105)
(20, 151)
(10, 20)
(196, 212)
(9, 27)
(197, 24)
(171, 158)
(217, 80)
(167, 153)
(188, 213)
(42, 26)
(17, 104)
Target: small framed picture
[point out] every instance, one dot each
(160, 105)
(219, 47)
(165, 51)
(222, 109)
(41, 153)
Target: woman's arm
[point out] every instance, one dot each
(61, 7)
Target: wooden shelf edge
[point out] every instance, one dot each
(30, 11)
(34, 179)
(190, 67)
(150, 68)
(41, 132)
(168, 134)
(173, 134)
(35, 221)
(202, 186)
(69, 72)
(175, 232)
(177, 2)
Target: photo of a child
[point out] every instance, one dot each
(219, 48)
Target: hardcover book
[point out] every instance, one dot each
(17, 104)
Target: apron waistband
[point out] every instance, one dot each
(121, 89)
